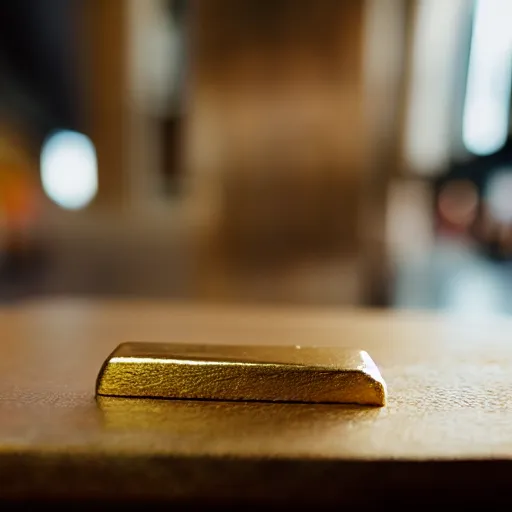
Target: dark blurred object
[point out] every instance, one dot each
(38, 85)
(484, 201)
(39, 93)
(22, 266)
(20, 203)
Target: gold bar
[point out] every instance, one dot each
(225, 372)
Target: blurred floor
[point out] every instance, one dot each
(456, 278)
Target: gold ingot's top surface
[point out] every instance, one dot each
(227, 372)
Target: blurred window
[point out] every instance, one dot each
(438, 28)
(486, 111)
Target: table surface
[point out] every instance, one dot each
(449, 413)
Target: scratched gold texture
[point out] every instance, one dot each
(212, 372)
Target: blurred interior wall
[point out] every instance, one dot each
(289, 135)
(276, 133)
(280, 131)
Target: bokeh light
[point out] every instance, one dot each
(69, 171)
(458, 202)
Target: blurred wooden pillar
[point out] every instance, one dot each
(106, 36)
(386, 43)
(277, 136)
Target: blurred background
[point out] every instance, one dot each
(352, 152)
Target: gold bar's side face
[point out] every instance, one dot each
(287, 374)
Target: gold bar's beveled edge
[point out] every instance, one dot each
(368, 386)
(373, 372)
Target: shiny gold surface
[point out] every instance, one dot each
(247, 373)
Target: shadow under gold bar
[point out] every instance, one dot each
(248, 373)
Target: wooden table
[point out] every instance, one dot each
(445, 434)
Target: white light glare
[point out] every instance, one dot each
(486, 109)
(434, 54)
(69, 170)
